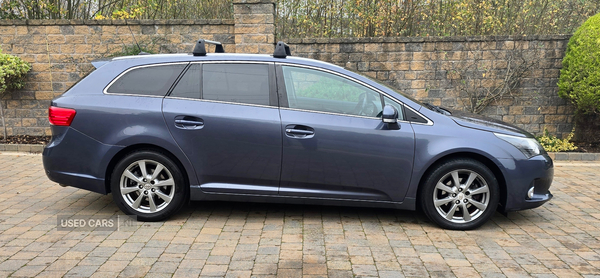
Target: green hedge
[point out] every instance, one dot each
(580, 76)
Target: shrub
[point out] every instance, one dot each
(12, 76)
(12, 72)
(580, 76)
(553, 144)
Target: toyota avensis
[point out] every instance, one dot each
(159, 130)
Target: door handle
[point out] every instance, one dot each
(188, 122)
(299, 131)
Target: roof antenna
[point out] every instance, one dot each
(136, 43)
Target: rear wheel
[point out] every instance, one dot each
(149, 185)
(460, 194)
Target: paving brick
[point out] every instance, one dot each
(559, 238)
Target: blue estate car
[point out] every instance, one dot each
(159, 130)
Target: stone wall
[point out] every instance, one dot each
(60, 52)
(426, 68)
(254, 25)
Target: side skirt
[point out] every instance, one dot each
(196, 194)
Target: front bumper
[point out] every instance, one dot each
(75, 159)
(521, 176)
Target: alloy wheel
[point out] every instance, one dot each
(147, 186)
(461, 196)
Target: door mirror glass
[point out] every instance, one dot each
(389, 115)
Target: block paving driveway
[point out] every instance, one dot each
(560, 239)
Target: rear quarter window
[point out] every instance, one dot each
(154, 80)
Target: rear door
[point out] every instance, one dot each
(224, 116)
(335, 144)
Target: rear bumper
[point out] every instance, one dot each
(74, 159)
(521, 176)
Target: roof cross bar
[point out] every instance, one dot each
(200, 49)
(282, 50)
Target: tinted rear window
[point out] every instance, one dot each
(189, 84)
(242, 83)
(151, 80)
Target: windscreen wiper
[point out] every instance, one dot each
(437, 109)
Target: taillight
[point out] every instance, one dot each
(61, 116)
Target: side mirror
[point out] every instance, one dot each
(389, 115)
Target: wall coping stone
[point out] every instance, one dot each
(54, 22)
(427, 39)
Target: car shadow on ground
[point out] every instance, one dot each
(344, 214)
(404, 218)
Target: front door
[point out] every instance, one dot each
(335, 145)
(224, 118)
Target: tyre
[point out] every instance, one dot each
(460, 194)
(149, 185)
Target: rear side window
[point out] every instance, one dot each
(241, 83)
(150, 81)
(189, 84)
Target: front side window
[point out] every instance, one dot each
(149, 81)
(315, 90)
(240, 83)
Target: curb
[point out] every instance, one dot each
(567, 156)
(24, 148)
(562, 156)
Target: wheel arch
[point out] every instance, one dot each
(139, 147)
(490, 164)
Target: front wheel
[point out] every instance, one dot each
(460, 194)
(149, 185)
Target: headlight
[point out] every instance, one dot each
(528, 146)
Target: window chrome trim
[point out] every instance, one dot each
(105, 90)
(337, 114)
(223, 102)
(429, 122)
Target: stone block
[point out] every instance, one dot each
(421, 56)
(378, 66)
(393, 47)
(373, 47)
(55, 39)
(417, 65)
(401, 65)
(414, 47)
(75, 39)
(21, 30)
(247, 48)
(254, 38)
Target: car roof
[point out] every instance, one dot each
(146, 59)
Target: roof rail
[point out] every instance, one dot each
(282, 50)
(200, 49)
